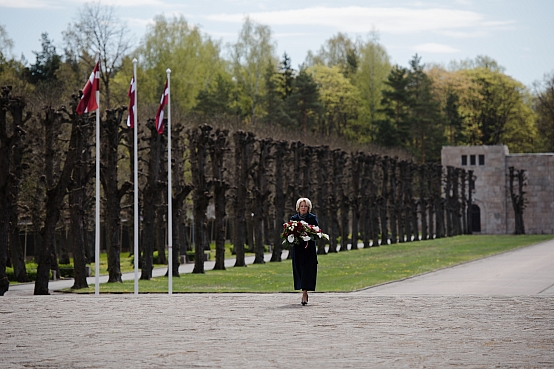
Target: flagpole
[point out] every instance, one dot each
(135, 179)
(97, 230)
(169, 195)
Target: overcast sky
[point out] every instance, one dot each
(518, 34)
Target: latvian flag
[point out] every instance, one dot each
(88, 101)
(132, 107)
(160, 114)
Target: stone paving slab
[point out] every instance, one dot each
(352, 330)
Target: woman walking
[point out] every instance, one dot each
(304, 254)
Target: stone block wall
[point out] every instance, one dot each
(490, 165)
(538, 215)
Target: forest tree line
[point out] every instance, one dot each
(345, 110)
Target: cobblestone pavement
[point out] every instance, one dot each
(354, 330)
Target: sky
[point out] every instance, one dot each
(517, 34)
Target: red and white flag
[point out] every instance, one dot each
(132, 107)
(88, 101)
(160, 114)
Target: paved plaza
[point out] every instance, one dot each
(467, 325)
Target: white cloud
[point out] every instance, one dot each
(63, 4)
(29, 4)
(357, 19)
(434, 48)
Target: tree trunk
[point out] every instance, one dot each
(423, 202)
(448, 201)
(261, 195)
(355, 166)
(344, 202)
(281, 148)
(218, 147)
(113, 195)
(239, 203)
(383, 200)
(323, 181)
(16, 107)
(199, 140)
(55, 196)
(393, 202)
(77, 200)
(151, 200)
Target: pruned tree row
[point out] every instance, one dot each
(232, 188)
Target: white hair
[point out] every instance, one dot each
(307, 201)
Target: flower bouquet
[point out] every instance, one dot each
(295, 232)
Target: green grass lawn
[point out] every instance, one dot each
(344, 271)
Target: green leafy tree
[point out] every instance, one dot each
(178, 45)
(544, 108)
(454, 91)
(501, 111)
(340, 50)
(340, 100)
(250, 57)
(373, 69)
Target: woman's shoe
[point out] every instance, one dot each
(304, 303)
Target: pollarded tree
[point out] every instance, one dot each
(57, 189)
(199, 144)
(243, 151)
(17, 169)
(10, 165)
(217, 147)
(261, 194)
(180, 192)
(383, 199)
(279, 196)
(393, 199)
(356, 163)
(112, 133)
(322, 194)
(152, 198)
(78, 199)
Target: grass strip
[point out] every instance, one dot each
(338, 272)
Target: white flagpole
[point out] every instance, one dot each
(97, 230)
(169, 195)
(135, 178)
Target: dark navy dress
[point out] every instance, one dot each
(304, 259)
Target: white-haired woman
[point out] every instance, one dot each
(304, 254)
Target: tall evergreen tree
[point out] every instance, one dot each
(426, 133)
(394, 128)
(304, 104)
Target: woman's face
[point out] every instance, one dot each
(303, 208)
